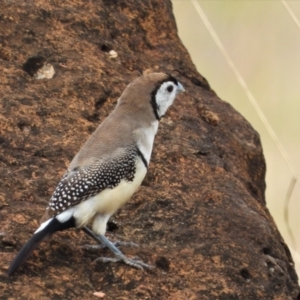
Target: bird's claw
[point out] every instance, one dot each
(133, 262)
(116, 244)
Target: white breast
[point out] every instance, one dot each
(108, 201)
(145, 138)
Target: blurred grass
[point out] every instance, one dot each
(263, 42)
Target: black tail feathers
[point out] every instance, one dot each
(53, 226)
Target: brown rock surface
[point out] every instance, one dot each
(200, 216)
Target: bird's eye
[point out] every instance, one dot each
(170, 88)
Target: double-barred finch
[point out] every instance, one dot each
(109, 167)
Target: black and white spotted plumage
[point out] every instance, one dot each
(109, 167)
(81, 184)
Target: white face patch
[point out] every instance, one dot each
(165, 96)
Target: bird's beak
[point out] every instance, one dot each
(180, 88)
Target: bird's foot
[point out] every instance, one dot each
(133, 262)
(119, 256)
(116, 244)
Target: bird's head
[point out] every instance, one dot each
(153, 93)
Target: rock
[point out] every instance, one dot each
(200, 215)
(113, 54)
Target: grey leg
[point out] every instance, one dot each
(116, 244)
(119, 256)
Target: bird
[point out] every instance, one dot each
(109, 168)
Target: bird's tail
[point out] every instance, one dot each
(46, 229)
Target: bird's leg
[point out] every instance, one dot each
(119, 256)
(116, 244)
(102, 245)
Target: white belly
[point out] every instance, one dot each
(108, 201)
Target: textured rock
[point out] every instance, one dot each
(200, 215)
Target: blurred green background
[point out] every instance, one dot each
(249, 53)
